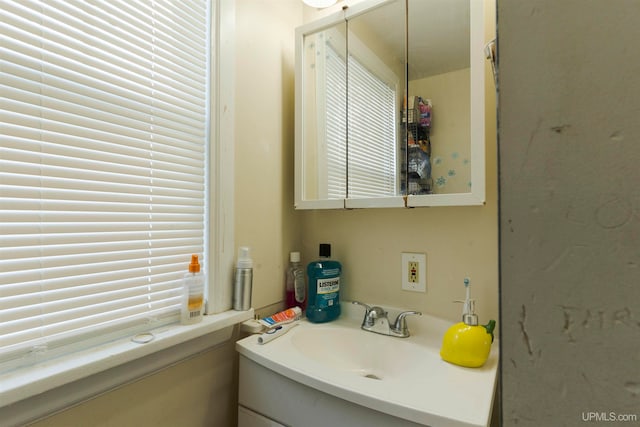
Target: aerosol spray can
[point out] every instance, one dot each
(242, 281)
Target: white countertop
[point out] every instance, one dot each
(415, 383)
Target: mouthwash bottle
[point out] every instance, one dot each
(323, 303)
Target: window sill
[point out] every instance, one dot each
(29, 393)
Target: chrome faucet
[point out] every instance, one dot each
(376, 320)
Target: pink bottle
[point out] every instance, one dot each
(295, 288)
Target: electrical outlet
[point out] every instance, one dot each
(414, 272)
(414, 269)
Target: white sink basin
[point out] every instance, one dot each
(367, 354)
(402, 377)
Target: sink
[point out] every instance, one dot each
(364, 354)
(403, 378)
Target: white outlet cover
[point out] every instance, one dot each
(421, 284)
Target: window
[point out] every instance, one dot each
(372, 162)
(363, 94)
(333, 115)
(102, 166)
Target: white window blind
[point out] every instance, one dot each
(103, 110)
(335, 113)
(372, 164)
(363, 162)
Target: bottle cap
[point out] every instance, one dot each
(194, 267)
(325, 250)
(294, 257)
(244, 260)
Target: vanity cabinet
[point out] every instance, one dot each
(249, 418)
(282, 401)
(390, 106)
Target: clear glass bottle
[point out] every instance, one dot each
(295, 288)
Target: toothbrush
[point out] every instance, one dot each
(276, 332)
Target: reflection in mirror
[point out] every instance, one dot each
(439, 82)
(376, 89)
(390, 106)
(324, 111)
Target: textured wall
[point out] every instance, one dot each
(569, 211)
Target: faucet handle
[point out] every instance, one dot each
(400, 325)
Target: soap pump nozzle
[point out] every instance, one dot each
(244, 258)
(194, 266)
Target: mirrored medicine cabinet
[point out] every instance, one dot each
(390, 106)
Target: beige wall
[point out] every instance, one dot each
(265, 219)
(450, 149)
(459, 241)
(200, 391)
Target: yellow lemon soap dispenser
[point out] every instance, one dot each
(467, 343)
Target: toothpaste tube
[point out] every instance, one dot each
(286, 316)
(275, 332)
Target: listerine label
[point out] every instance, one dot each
(327, 292)
(328, 286)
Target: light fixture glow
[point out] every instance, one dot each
(319, 3)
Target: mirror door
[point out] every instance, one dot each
(445, 103)
(376, 89)
(390, 106)
(321, 130)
